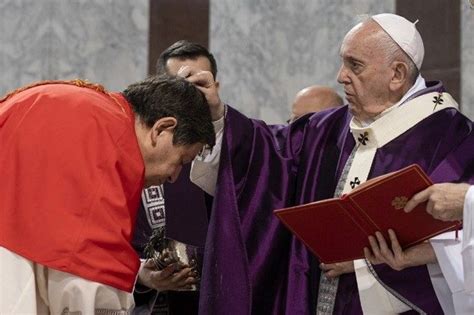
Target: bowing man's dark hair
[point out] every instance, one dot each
(184, 49)
(168, 96)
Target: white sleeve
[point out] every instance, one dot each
(468, 241)
(374, 299)
(451, 281)
(205, 167)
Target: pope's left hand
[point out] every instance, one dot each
(337, 269)
(395, 256)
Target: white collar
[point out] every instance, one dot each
(399, 119)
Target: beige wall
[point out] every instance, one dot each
(268, 50)
(103, 41)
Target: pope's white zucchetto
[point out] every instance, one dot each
(404, 33)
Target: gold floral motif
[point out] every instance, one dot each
(399, 202)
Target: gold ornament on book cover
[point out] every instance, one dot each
(399, 202)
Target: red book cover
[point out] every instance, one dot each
(337, 229)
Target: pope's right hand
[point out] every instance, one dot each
(169, 278)
(204, 81)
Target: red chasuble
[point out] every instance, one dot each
(71, 175)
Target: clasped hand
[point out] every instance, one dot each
(337, 269)
(172, 277)
(380, 252)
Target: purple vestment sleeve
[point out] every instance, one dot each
(225, 283)
(252, 263)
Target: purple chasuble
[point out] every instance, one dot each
(252, 263)
(186, 211)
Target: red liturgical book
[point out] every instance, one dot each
(337, 229)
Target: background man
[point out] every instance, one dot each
(74, 160)
(187, 219)
(391, 111)
(312, 99)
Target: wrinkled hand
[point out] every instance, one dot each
(204, 81)
(445, 201)
(166, 279)
(395, 256)
(337, 269)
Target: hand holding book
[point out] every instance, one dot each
(394, 255)
(338, 229)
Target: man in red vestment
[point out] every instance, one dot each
(73, 161)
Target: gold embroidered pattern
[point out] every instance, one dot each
(399, 202)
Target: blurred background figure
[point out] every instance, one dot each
(314, 98)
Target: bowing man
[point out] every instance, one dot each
(73, 163)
